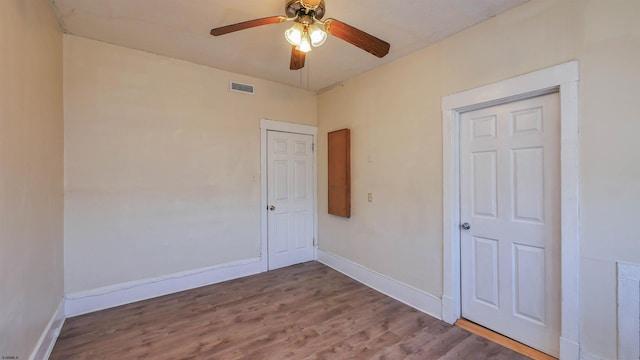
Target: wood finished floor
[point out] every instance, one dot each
(307, 311)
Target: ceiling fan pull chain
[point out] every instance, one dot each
(308, 72)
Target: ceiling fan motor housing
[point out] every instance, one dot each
(294, 8)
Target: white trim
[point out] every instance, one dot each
(563, 79)
(272, 125)
(402, 292)
(48, 338)
(569, 349)
(110, 296)
(586, 356)
(628, 311)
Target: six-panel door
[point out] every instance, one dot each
(510, 196)
(290, 198)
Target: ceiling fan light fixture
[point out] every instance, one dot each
(294, 34)
(309, 30)
(317, 35)
(305, 42)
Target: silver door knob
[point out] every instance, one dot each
(272, 207)
(465, 226)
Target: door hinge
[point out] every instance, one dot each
(313, 147)
(315, 242)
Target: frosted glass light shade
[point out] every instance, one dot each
(317, 35)
(305, 42)
(294, 34)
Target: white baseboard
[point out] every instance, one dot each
(585, 356)
(448, 314)
(111, 296)
(569, 350)
(49, 335)
(407, 294)
(628, 311)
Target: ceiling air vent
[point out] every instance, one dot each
(241, 88)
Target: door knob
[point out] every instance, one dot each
(272, 207)
(465, 226)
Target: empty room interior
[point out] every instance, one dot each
(180, 181)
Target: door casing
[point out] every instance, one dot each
(272, 125)
(563, 79)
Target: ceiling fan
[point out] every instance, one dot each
(310, 31)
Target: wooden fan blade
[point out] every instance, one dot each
(297, 59)
(357, 37)
(247, 25)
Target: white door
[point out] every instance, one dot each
(510, 199)
(289, 198)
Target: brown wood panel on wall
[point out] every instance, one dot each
(339, 152)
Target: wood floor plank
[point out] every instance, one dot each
(307, 311)
(503, 340)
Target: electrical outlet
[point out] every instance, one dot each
(370, 197)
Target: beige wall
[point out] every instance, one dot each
(395, 116)
(31, 274)
(162, 163)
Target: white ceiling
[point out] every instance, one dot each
(180, 29)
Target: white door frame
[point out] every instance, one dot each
(271, 125)
(562, 79)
